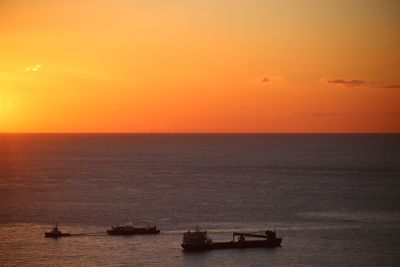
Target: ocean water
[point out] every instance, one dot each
(334, 199)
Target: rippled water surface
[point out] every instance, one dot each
(333, 198)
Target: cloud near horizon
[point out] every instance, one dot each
(349, 83)
(390, 86)
(35, 67)
(272, 79)
(357, 83)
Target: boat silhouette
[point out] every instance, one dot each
(199, 240)
(55, 233)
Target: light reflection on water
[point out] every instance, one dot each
(333, 198)
(25, 245)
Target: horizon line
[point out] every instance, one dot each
(205, 133)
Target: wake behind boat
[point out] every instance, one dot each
(132, 230)
(199, 240)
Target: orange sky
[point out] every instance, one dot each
(200, 66)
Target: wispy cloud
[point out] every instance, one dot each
(357, 83)
(272, 79)
(321, 115)
(390, 86)
(359, 114)
(30, 68)
(349, 83)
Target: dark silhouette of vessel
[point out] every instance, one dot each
(131, 230)
(199, 241)
(55, 233)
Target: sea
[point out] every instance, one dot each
(333, 198)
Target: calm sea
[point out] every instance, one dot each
(334, 199)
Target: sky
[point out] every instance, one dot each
(214, 66)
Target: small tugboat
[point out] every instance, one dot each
(55, 233)
(131, 230)
(199, 240)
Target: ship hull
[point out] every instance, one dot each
(51, 235)
(229, 245)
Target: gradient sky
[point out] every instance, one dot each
(199, 66)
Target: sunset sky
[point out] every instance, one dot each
(200, 66)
